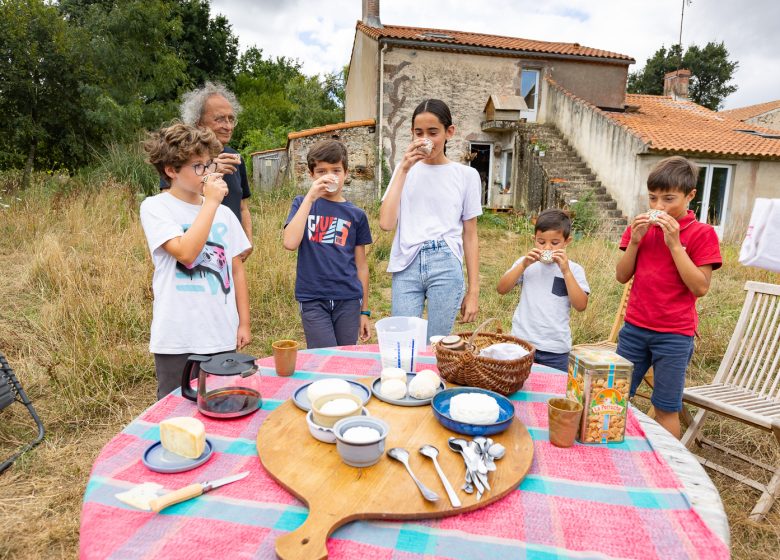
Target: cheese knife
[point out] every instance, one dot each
(192, 491)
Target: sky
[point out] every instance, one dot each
(319, 33)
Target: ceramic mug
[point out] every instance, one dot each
(285, 354)
(564, 421)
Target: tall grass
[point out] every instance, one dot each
(75, 309)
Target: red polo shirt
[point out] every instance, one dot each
(659, 299)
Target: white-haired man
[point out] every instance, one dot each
(215, 107)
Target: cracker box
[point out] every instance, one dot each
(600, 380)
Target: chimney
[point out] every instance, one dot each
(371, 13)
(676, 84)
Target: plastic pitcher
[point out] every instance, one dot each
(400, 338)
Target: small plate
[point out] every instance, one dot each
(441, 410)
(159, 459)
(301, 399)
(407, 400)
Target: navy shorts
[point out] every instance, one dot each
(552, 359)
(668, 353)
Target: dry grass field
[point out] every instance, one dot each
(75, 309)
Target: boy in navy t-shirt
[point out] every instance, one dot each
(330, 233)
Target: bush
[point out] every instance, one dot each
(585, 218)
(125, 163)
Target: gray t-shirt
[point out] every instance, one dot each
(542, 316)
(435, 202)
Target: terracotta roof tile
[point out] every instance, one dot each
(744, 113)
(330, 128)
(680, 126)
(445, 37)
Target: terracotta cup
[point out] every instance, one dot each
(285, 353)
(564, 416)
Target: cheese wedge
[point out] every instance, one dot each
(140, 496)
(183, 435)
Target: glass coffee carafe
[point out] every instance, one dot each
(227, 384)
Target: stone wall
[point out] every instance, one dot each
(609, 149)
(770, 119)
(360, 186)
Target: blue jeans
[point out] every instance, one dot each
(668, 353)
(435, 274)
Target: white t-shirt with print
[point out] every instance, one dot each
(194, 309)
(542, 316)
(435, 202)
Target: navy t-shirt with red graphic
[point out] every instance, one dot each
(326, 255)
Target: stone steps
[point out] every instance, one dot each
(575, 181)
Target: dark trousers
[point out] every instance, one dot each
(328, 322)
(170, 369)
(553, 360)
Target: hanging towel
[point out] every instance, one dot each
(761, 247)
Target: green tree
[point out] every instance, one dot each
(278, 98)
(42, 98)
(711, 72)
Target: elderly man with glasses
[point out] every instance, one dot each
(215, 107)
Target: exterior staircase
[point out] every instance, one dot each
(573, 180)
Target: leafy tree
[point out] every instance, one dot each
(42, 98)
(207, 46)
(711, 72)
(278, 98)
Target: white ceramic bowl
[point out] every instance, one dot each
(328, 420)
(362, 454)
(323, 433)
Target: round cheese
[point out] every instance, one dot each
(423, 387)
(183, 435)
(389, 373)
(474, 408)
(393, 389)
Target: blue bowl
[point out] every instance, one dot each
(441, 409)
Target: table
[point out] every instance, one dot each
(596, 501)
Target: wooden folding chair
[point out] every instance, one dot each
(11, 391)
(746, 387)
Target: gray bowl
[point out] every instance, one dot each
(360, 454)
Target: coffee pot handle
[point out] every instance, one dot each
(186, 377)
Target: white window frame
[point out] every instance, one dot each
(504, 162)
(532, 112)
(707, 169)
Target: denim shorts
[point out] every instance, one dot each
(435, 275)
(668, 353)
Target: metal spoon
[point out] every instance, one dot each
(460, 445)
(402, 456)
(432, 452)
(496, 451)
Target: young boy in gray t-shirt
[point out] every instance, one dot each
(551, 285)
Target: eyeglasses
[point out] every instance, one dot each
(202, 168)
(230, 119)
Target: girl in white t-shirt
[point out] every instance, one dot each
(434, 202)
(201, 301)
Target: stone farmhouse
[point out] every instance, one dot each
(546, 123)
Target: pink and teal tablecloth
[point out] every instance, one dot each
(616, 501)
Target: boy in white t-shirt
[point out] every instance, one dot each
(551, 284)
(201, 301)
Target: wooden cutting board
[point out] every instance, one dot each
(337, 493)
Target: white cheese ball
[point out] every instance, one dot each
(429, 374)
(423, 387)
(393, 389)
(389, 373)
(338, 406)
(474, 408)
(325, 387)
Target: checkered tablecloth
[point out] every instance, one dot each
(615, 501)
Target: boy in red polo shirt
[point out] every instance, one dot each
(671, 257)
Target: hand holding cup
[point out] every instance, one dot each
(227, 163)
(214, 187)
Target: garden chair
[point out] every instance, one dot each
(746, 387)
(11, 391)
